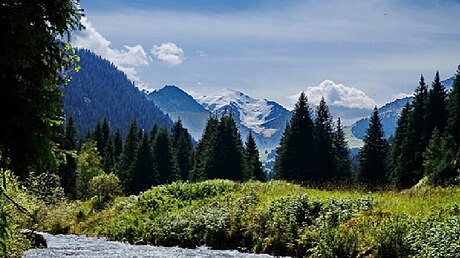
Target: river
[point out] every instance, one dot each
(89, 247)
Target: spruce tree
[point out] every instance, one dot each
(341, 154)
(325, 166)
(254, 168)
(164, 165)
(453, 109)
(144, 176)
(373, 154)
(401, 153)
(118, 145)
(67, 171)
(108, 161)
(128, 157)
(182, 148)
(228, 151)
(204, 153)
(295, 159)
(436, 116)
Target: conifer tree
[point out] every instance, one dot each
(163, 160)
(182, 148)
(453, 109)
(105, 134)
(296, 152)
(341, 153)
(440, 158)
(128, 157)
(436, 116)
(401, 153)
(204, 154)
(118, 145)
(254, 168)
(109, 159)
(67, 171)
(153, 133)
(373, 154)
(228, 151)
(144, 177)
(325, 166)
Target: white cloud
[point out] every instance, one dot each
(338, 95)
(128, 60)
(168, 53)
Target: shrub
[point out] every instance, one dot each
(104, 188)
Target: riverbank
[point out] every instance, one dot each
(277, 218)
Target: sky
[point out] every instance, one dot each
(354, 53)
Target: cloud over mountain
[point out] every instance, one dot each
(129, 59)
(169, 53)
(339, 95)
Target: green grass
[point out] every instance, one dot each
(276, 217)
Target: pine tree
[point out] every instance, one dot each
(67, 171)
(436, 116)
(204, 153)
(453, 109)
(325, 166)
(163, 160)
(118, 145)
(254, 168)
(440, 158)
(144, 176)
(109, 159)
(182, 148)
(296, 152)
(228, 151)
(373, 154)
(341, 153)
(128, 158)
(401, 153)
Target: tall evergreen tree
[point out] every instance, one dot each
(182, 148)
(128, 157)
(296, 153)
(325, 166)
(109, 159)
(67, 171)
(228, 151)
(144, 176)
(204, 153)
(118, 145)
(254, 168)
(341, 153)
(401, 152)
(436, 116)
(453, 109)
(163, 159)
(373, 154)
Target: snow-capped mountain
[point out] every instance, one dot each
(266, 119)
(178, 104)
(389, 114)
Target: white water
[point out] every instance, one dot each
(90, 247)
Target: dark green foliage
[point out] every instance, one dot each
(325, 166)
(296, 150)
(109, 158)
(164, 165)
(436, 116)
(67, 171)
(254, 168)
(202, 164)
(144, 176)
(453, 108)
(341, 154)
(228, 152)
(118, 145)
(401, 152)
(440, 160)
(373, 154)
(99, 90)
(128, 157)
(33, 58)
(182, 148)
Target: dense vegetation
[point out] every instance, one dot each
(277, 218)
(100, 91)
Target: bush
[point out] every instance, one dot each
(104, 188)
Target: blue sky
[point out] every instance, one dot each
(275, 49)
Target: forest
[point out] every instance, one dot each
(156, 186)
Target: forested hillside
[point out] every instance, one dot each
(99, 90)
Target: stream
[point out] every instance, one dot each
(89, 247)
